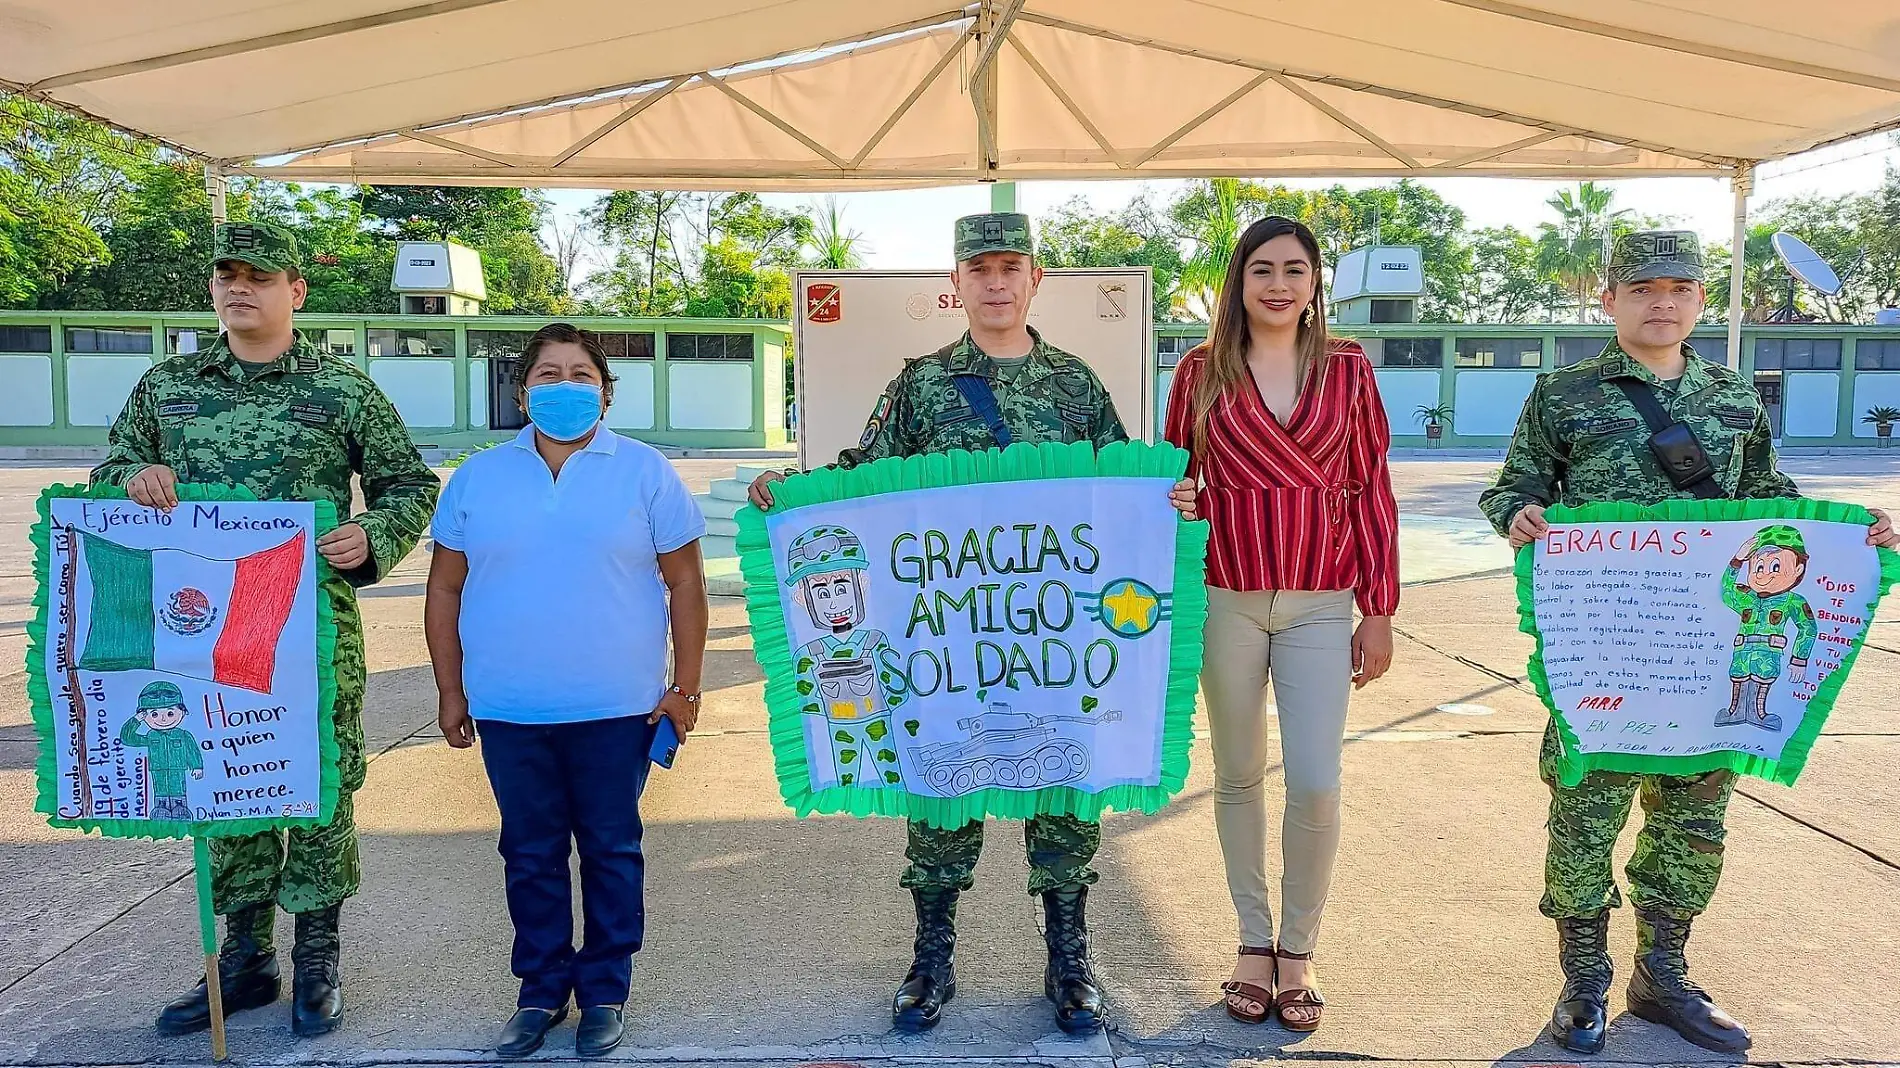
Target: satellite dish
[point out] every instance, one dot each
(1806, 265)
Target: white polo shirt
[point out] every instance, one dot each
(564, 615)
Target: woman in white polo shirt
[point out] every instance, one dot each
(562, 558)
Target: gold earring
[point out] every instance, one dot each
(1306, 317)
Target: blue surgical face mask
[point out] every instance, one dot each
(564, 411)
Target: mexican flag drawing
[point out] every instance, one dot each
(175, 611)
(181, 664)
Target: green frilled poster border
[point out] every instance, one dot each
(1018, 463)
(1573, 764)
(39, 693)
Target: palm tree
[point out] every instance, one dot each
(1571, 250)
(838, 249)
(1214, 236)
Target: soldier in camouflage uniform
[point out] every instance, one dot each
(1043, 395)
(264, 409)
(171, 751)
(1775, 560)
(1581, 439)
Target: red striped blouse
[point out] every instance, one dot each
(1305, 506)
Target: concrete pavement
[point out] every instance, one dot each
(778, 941)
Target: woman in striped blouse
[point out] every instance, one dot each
(1288, 439)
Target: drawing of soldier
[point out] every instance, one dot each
(1775, 560)
(170, 750)
(838, 671)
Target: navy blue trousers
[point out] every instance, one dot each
(578, 782)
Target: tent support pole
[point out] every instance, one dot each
(215, 183)
(989, 31)
(1741, 183)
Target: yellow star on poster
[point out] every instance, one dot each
(1133, 608)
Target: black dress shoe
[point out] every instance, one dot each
(316, 982)
(247, 974)
(600, 1030)
(526, 1030)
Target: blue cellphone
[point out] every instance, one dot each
(666, 743)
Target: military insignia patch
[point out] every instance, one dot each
(880, 412)
(312, 414)
(1607, 426)
(183, 409)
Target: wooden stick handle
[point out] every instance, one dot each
(215, 990)
(208, 934)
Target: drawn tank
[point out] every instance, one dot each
(1007, 749)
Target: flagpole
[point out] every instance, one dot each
(208, 932)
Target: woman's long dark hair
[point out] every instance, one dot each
(1224, 363)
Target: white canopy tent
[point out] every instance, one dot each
(854, 94)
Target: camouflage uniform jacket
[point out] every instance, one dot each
(1053, 397)
(1580, 440)
(295, 429)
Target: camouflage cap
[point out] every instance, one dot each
(260, 244)
(160, 695)
(996, 231)
(1781, 536)
(1648, 254)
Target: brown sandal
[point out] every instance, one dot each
(1297, 997)
(1252, 992)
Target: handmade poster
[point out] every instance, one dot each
(1697, 635)
(967, 634)
(180, 663)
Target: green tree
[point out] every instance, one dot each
(1137, 236)
(62, 182)
(1211, 215)
(735, 283)
(1503, 284)
(1879, 235)
(1570, 251)
(835, 248)
(1210, 218)
(645, 276)
(712, 254)
(161, 241)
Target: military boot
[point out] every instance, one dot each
(1069, 981)
(932, 981)
(1582, 1013)
(247, 973)
(316, 978)
(1660, 990)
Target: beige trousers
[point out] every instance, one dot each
(1303, 642)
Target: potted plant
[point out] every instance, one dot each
(1435, 417)
(1883, 419)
